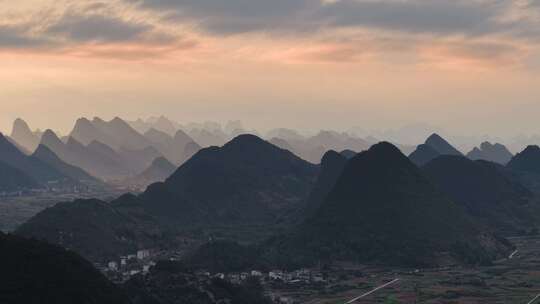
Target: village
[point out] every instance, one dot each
(141, 262)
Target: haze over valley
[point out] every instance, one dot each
(270, 152)
(151, 199)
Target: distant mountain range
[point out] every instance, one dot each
(177, 148)
(496, 153)
(434, 146)
(159, 171)
(44, 154)
(313, 148)
(108, 150)
(96, 158)
(115, 134)
(26, 138)
(161, 124)
(32, 167)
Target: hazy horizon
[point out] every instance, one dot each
(468, 67)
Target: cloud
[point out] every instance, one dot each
(90, 29)
(130, 26)
(477, 54)
(98, 28)
(419, 16)
(233, 16)
(18, 36)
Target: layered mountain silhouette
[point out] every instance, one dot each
(434, 146)
(208, 137)
(47, 156)
(177, 148)
(24, 136)
(18, 146)
(280, 142)
(138, 160)
(158, 171)
(98, 159)
(164, 124)
(86, 132)
(31, 166)
(161, 123)
(313, 148)
(115, 134)
(285, 134)
(13, 179)
(496, 153)
(486, 191)
(384, 210)
(73, 152)
(36, 272)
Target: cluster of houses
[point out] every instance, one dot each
(129, 265)
(306, 276)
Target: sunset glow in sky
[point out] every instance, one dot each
(465, 65)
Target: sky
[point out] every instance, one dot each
(468, 66)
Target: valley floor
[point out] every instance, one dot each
(509, 281)
(15, 210)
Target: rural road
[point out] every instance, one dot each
(374, 290)
(534, 299)
(512, 255)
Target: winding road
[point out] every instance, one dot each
(372, 291)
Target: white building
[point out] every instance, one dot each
(143, 254)
(112, 266)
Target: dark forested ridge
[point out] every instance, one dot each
(248, 180)
(487, 191)
(383, 210)
(36, 272)
(93, 228)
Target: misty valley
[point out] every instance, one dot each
(152, 211)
